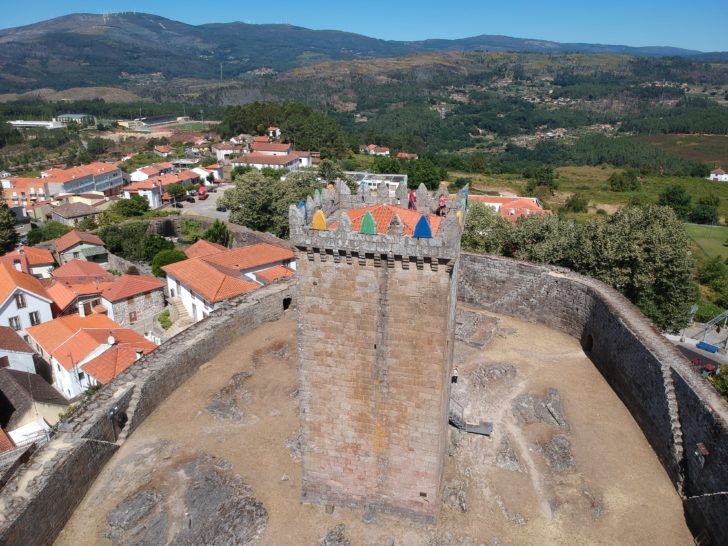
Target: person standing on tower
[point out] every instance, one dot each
(412, 203)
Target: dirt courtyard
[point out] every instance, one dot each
(217, 462)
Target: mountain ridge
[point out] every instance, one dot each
(86, 49)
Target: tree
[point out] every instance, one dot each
(218, 233)
(625, 181)
(543, 177)
(704, 214)
(261, 203)
(176, 192)
(207, 161)
(48, 231)
(166, 257)
(8, 235)
(329, 171)
(387, 165)
(129, 208)
(87, 224)
(485, 231)
(425, 172)
(678, 199)
(190, 230)
(576, 203)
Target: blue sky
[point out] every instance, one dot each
(699, 24)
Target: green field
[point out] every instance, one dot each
(709, 240)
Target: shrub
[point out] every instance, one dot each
(166, 257)
(707, 311)
(164, 321)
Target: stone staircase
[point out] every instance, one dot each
(178, 313)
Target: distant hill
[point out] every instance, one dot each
(81, 50)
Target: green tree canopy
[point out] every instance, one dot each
(261, 203)
(46, 232)
(678, 199)
(176, 191)
(218, 233)
(485, 231)
(8, 235)
(166, 257)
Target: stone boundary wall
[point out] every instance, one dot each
(122, 265)
(675, 407)
(36, 503)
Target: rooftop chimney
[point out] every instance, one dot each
(139, 353)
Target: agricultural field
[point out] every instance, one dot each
(709, 240)
(710, 149)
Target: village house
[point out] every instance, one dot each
(511, 208)
(373, 149)
(15, 353)
(260, 161)
(26, 398)
(134, 299)
(80, 245)
(154, 189)
(163, 150)
(212, 275)
(77, 287)
(24, 192)
(71, 214)
(406, 155)
(155, 169)
(271, 148)
(273, 132)
(718, 175)
(204, 172)
(38, 262)
(225, 150)
(23, 300)
(85, 351)
(94, 177)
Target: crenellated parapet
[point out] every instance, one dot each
(339, 239)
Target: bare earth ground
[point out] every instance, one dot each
(567, 466)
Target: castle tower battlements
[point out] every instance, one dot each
(376, 297)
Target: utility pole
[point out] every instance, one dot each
(220, 72)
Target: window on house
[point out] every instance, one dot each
(26, 339)
(20, 300)
(76, 255)
(81, 375)
(58, 367)
(4, 361)
(14, 323)
(132, 316)
(34, 318)
(148, 296)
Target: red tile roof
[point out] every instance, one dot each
(12, 279)
(249, 257)
(383, 215)
(203, 248)
(264, 159)
(274, 273)
(119, 356)
(718, 171)
(72, 238)
(6, 442)
(203, 279)
(512, 208)
(164, 149)
(29, 257)
(82, 271)
(261, 139)
(11, 341)
(163, 180)
(271, 147)
(66, 175)
(71, 338)
(127, 286)
(64, 294)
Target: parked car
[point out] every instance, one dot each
(177, 205)
(190, 199)
(221, 209)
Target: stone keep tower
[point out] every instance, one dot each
(376, 312)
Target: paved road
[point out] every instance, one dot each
(208, 206)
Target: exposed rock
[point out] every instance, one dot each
(518, 519)
(369, 515)
(475, 329)
(506, 457)
(445, 538)
(228, 403)
(335, 537)
(558, 454)
(486, 374)
(294, 445)
(454, 495)
(531, 408)
(597, 506)
(282, 352)
(217, 508)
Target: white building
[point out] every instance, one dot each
(718, 175)
(155, 169)
(87, 351)
(23, 301)
(213, 275)
(260, 161)
(24, 124)
(15, 353)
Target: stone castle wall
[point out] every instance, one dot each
(376, 320)
(36, 503)
(675, 407)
